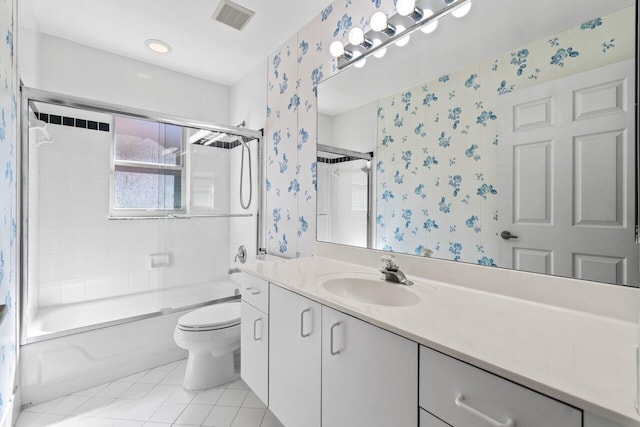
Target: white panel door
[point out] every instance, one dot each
(369, 375)
(566, 165)
(254, 351)
(294, 354)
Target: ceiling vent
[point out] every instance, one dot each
(232, 14)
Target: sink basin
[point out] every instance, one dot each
(371, 291)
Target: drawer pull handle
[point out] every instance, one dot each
(253, 291)
(462, 405)
(255, 335)
(302, 334)
(331, 350)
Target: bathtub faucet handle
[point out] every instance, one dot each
(241, 255)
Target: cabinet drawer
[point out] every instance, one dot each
(255, 291)
(428, 420)
(465, 396)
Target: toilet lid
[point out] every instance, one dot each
(214, 316)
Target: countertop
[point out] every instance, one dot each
(581, 358)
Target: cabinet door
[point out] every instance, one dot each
(294, 354)
(254, 352)
(369, 375)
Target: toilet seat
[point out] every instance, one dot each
(211, 318)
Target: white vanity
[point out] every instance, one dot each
(464, 346)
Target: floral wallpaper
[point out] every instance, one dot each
(8, 188)
(294, 72)
(438, 143)
(452, 120)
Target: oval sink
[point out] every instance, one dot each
(371, 291)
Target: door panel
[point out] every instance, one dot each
(294, 355)
(566, 169)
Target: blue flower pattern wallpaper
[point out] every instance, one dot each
(450, 122)
(442, 138)
(8, 198)
(294, 72)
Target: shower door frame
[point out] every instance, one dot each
(370, 203)
(30, 95)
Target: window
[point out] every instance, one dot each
(148, 170)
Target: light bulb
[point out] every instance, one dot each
(379, 53)
(404, 40)
(462, 10)
(360, 62)
(378, 21)
(356, 36)
(336, 49)
(431, 26)
(405, 7)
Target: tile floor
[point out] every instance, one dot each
(152, 398)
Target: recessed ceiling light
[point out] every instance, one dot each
(144, 76)
(158, 46)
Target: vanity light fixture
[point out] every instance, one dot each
(431, 26)
(158, 46)
(359, 62)
(404, 40)
(408, 8)
(460, 11)
(337, 50)
(356, 37)
(380, 52)
(364, 44)
(380, 23)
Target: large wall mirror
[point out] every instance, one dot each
(506, 138)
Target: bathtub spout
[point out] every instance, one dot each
(234, 270)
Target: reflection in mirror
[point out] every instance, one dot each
(344, 185)
(513, 148)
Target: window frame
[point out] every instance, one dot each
(152, 168)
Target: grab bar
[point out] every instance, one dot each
(3, 312)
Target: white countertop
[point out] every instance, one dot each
(578, 357)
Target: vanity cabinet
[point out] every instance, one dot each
(254, 334)
(294, 355)
(464, 396)
(369, 375)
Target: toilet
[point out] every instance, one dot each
(211, 334)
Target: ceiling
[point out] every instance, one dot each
(491, 28)
(201, 46)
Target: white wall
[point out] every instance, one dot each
(248, 98)
(29, 45)
(70, 68)
(248, 102)
(355, 129)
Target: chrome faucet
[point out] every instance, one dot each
(391, 271)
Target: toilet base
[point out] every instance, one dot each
(206, 371)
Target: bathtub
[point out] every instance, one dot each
(77, 346)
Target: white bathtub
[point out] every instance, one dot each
(77, 346)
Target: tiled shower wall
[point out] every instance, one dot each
(82, 255)
(293, 74)
(8, 219)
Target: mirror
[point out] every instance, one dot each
(505, 138)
